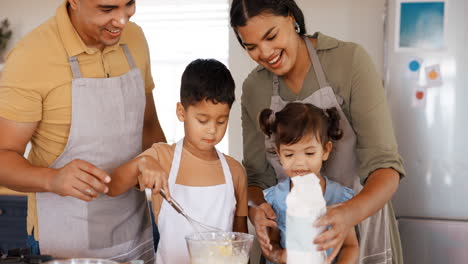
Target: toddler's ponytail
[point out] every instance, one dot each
(334, 131)
(266, 120)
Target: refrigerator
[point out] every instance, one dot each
(426, 82)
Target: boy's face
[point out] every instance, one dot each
(205, 123)
(303, 157)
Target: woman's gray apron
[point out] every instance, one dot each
(106, 130)
(342, 165)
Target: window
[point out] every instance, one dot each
(179, 31)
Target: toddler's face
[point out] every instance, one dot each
(303, 157)
(205, 123)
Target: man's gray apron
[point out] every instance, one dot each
(106, 130)
(342, 165)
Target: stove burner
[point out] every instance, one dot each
(22, 256)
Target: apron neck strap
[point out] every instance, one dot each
(275, 85)
(130, 60)
(176, 164)
(322, 80)
(75, 66)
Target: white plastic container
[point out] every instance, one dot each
(305, 204)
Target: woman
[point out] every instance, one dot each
(326, 72)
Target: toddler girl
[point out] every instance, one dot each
(303, 135)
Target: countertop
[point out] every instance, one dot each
(6, 191)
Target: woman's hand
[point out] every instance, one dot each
(337, 217)
(152, 176)
(263, 216)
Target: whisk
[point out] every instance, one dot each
(196, 225)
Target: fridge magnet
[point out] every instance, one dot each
(421, 25)
(414, 68)
(419, 96)
(433, 76)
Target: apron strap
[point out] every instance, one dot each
(322, 80)
(178, 157)
(275, 85)
(226, 170)
(75, 67)
(130, 60)
(175, 163)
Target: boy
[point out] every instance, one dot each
(210, 186)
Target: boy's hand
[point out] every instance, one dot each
(152, 176)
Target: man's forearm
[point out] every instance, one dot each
(378, 190)
(152, 135)
(17, 174)
(256, 196)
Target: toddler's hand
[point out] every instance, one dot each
(152, 176)
(334, 237)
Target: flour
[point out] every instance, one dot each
(305, 204)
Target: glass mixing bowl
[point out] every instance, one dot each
(219, 247)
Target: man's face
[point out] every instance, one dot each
(100, 22)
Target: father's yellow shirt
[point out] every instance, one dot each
(35, 84)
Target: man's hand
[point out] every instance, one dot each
(79, 179)
(263, 216)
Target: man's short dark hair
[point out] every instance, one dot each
(206, 79)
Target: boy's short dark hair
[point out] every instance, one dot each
(206, 79)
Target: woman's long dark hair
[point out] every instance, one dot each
(243, 10)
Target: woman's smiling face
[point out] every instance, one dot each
(271, 41)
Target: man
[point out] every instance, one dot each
(79, 88)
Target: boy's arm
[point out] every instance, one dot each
(240, 224)
(349, 252)
(144, 172)
(240, 192)
(124, 177)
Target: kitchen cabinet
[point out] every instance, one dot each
(13, 211)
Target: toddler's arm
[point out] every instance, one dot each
(349, 252)
(277, 254)
(143, 172)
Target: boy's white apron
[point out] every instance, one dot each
(342, 165)
(106, 130)
(211, 205)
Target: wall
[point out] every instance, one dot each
(359, 21)
(24, 15)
